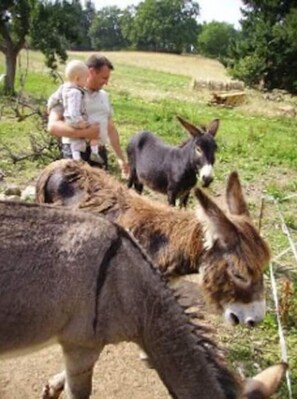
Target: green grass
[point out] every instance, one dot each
(263, 149)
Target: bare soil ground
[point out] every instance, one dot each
(119, 374)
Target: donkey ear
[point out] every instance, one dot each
(234, 196)
(217, 226)
(192, 129)
(213, 127)
(266, 383)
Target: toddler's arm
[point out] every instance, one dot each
(54, 99)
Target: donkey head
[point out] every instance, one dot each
(204, 148)
(234, 258)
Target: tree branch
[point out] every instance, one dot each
(3, 48)
(5, 33)
(18, 46)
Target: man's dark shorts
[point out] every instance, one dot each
(66, 152)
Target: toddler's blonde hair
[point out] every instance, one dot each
(75, 68)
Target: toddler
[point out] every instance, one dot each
(71, 94)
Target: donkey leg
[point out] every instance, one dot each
(79, 370)
(171, 197)
(184, 200)
(131, 178)
(133, 181)
(104, 155)
(138, 187)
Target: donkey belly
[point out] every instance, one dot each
(158, 183)
(28, 316)
(36, 302)
(153, 176)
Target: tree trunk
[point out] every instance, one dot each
(10, 60)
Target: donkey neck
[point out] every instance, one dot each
(187, 242)
(192, 369)
(186, 147)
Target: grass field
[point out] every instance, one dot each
(147, 92)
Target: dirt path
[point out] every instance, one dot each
(119, 374)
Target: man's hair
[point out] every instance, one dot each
(98, 61)
(75, 68)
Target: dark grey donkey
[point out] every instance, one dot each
(173, 170)
(82, 281)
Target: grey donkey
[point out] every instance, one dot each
(84, 282)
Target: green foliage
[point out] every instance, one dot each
(15, 20)
(164, 25)
(57, 27)
(106, 31)
(53, 27)
(266, 51)
(87, 16)
(215, 38)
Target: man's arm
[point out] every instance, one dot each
(57, 127)
(115, 143)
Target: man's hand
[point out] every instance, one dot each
(93, 132)
(57, 127)
(125, 169)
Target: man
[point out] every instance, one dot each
(97, 107)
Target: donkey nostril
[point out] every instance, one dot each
(250, 323)
(206, 180)
(234, 319)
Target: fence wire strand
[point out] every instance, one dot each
(282, 341)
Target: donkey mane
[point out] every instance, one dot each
(183, 143)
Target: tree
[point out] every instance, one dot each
(56, 27)
(267, 49)
(127, 24)
(51, 25)
(89, 14)
(15, 19)
(215, 39)
(105, 30)
(165, 25)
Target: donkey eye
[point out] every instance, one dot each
(240, 277)
(198, 151)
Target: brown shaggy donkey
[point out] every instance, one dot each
(225, 248)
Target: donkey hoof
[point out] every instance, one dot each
(50, 392)
(145, 359)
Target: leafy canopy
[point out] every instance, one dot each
(165, 25)
(215, 38)
(267, 49)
